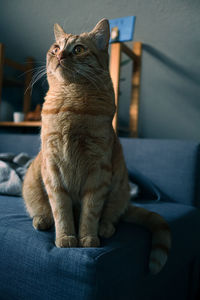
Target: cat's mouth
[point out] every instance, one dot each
(58, 65)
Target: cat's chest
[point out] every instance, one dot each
(81, 155)
(82, 151)
(77, 152)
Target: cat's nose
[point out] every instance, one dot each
(60, 55)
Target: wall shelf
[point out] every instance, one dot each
(21, 124)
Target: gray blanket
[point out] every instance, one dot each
(12, 171)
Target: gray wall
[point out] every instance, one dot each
(169, 31)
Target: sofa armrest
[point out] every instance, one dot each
(172, 165)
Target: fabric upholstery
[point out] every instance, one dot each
(172, 165)
(17, 143)
(33, 268)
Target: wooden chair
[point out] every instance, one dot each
(26, 67)
(115, 59)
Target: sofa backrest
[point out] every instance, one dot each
(16, 143)
(172, 165)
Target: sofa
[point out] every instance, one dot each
(168, 175)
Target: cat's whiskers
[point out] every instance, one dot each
(69, 70)
(102, 71)
(95, 78)
(36, 77)
(73, 73)
(88, 77)
(32, 70)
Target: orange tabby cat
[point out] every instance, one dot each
(79, 179)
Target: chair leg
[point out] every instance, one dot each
(115, 59)
(134, 104)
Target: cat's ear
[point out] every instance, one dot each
(101, 34)
(58, 32)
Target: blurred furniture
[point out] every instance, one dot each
(115, 59)
(34, 115)
(33, 268)
(25, 68)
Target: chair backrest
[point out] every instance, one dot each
(26, 68)
(115, 58)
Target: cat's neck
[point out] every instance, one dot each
(75, 90)
(82, 97)
(87, 88)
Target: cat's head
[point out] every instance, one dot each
(79, 58)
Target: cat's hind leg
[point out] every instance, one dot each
(36, 198)
(119, 195)
(114, 207)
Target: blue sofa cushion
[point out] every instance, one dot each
(172, 165)
(33, 268)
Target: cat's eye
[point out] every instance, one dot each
(78, 49)
(56, 50)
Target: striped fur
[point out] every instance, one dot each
(79, 179)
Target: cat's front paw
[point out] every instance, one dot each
(66, 241)
(106, 229)
(89, 241)
(42, 222)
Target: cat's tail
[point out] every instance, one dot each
(161, 237)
